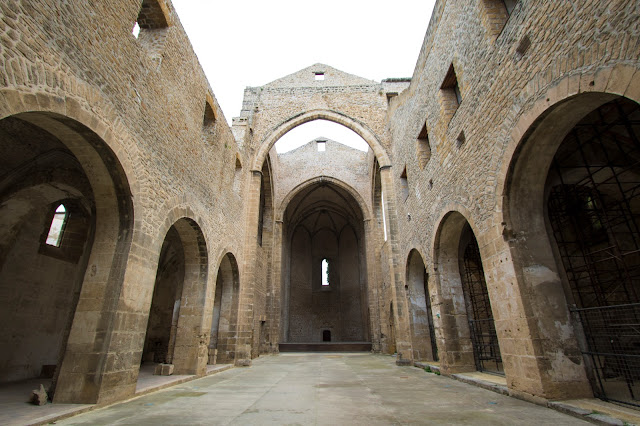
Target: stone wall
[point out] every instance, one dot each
(145, 106)
(510, 71)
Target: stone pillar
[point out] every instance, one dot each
(373, 286)
(247, 276)
(539, 349)
(401, 311)
(275, 295)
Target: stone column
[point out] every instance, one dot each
(401, 311)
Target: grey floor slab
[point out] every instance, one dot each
(324, 389)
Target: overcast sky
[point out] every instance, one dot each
(253, 42)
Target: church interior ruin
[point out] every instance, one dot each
(491, 223)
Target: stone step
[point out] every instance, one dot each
(326, 347)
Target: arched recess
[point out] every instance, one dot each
(423, 335)
(360, 128)
(467, 335)
(323, 222)
(571, 215)
(224, 321)
(175, 325)
(322, 180)
(50, 160)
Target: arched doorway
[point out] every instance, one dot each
(482, 329)
(159, 343)
(177, 306)
(423, 335)
(325, 274)
(469, 340)
(224, 322)
(578, 224)
(593, 207)
(62, 193)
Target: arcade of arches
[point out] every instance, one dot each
(495, 229)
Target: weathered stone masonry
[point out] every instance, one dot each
(191, 242)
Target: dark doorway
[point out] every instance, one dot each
(326, 335)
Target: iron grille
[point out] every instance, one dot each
(613, 335)
(593, 211)
(482, 328)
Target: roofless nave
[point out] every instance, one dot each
(491, 226)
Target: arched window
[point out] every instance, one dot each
(325, 272)
(54, 237)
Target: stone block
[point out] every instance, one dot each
(164, 370)
(39, 396)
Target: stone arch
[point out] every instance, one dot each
(322, 220)
(452, 307)
(106, 194)
(421, 319)
(542, 132)
(319, 179)
(179, 299)
(360, 128)
(612, 80)
(99, 116)
(224, 319)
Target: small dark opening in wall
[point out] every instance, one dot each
(524, 45)
(326, 335)
(319, 76)
(460, 140)
(209, 114)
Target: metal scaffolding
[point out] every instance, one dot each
(594, 212)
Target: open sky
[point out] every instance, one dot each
(253, 42)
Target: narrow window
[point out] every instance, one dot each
(495, 14)
(136, 29)
(322, 146)
(404, 182)
(57, 226)
(261, 212)
(451, 95)
(209, 112)
(325, 272)
(422, 147)
(151, 26)
(326, 335)
(384, 220)
(319, 76)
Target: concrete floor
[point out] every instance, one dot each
(15, 410)
(354, 389)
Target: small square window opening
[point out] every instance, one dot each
(322, 146)
(319, 76)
